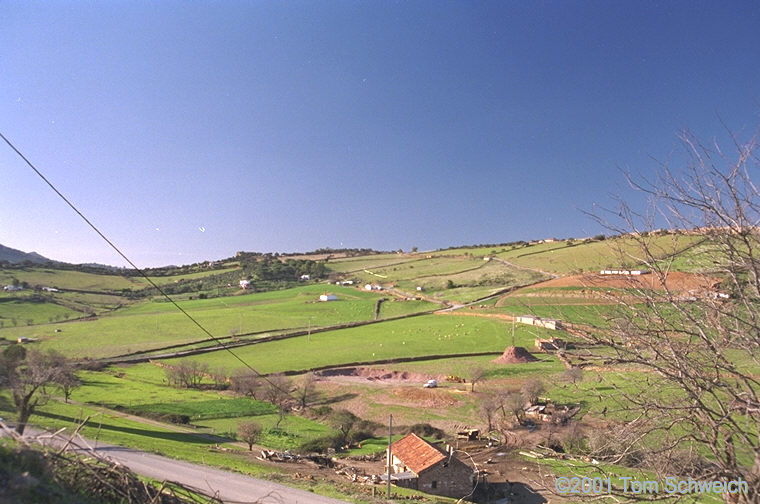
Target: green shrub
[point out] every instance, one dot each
(426, 430)
(322, 444)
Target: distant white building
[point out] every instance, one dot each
(539, 322)
(12, 288)
(368, 287)
(50, 289)
(328, 297)
(624, 272)
(245, 284)
(419, 288)
(305, 277)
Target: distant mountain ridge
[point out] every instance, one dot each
(17, 256)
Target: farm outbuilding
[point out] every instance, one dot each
(328, 297)
(546, 323)
(526, 319)
(624, 272)
(423, 466)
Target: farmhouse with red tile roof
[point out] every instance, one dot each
(423, 466)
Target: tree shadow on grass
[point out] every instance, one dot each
(335, 399)
(92, 382)
(179, 437)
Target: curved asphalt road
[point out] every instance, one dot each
(229, 487)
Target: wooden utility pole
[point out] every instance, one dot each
(390, 455)
(513, 331)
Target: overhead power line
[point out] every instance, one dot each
(127, 259)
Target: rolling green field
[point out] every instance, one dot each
(575, 257)
(553, 304)
(349, 265)
(152, 325)
(24, 312)
(424, 345)
(414, 337)
(454, 277)
(65, 279)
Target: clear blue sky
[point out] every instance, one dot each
(190, 130)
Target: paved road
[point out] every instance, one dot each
(230, 487)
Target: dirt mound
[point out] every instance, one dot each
(515, 355)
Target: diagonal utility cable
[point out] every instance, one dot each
(123, 256)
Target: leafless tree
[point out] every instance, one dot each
(249, 433)
(245, 383)
(477, 374)
(572, 375)
(531, 390)
(219, 375)
(513, 405)
(306, 392)
(68, 381)
(186, 373)
(28, 375)
(696, 355)
(489, 409)
(277, 392)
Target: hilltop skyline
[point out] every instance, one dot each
(187, 132)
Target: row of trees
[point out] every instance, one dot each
(277, 389)
(285, 394)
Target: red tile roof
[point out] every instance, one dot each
(416, 453)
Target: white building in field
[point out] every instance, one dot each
(624, 272)
(546, 323)
(328, 297)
